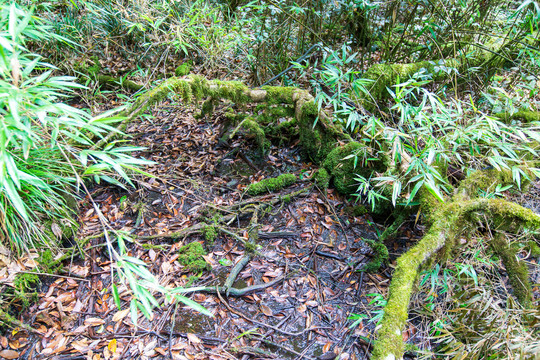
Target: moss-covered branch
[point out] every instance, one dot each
(456, 218)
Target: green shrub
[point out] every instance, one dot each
(46, 144)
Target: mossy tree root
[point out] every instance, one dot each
(455, 219)
(518, 274)
(317, 141)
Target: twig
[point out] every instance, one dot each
(233, 291)
(266, 325)
(234, 273)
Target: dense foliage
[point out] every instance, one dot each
(428, 92)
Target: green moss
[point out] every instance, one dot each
(518, 274)
(485, 180)
(68, 229)
(25, 282)
(210, 233)
(207, 108)
(271, 184)
(386, 75)
(344, 171)
(322, 178)
(358, 210)
(191, 256)
(380, 255)
(255, 130)
(94, 69)
(199, 86)
(183, 69)
(191, 280)
(183, 88)
(148, 246)
(279, 94)
(251, 247)
(317, 135)
(533, 247)
(234, 91)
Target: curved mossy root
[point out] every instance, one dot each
(108, 81)
(518, 274)
(317, 140)
(525, 116)
(382, 76)
(455, 219)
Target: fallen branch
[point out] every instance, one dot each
(455, 219)
(233, 291)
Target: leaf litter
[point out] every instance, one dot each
(312, 252)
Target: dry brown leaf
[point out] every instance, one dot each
(327, 347)
(120, 315)
(9, 354)
(94, 321)
(193, 338)
(266, 310)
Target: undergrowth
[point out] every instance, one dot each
(468, 309)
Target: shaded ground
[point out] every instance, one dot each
(313, 248)
(302, 316)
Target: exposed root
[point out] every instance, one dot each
(457, 218)
(518, 274)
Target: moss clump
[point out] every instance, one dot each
(183, 88)
(199, 86)
(533, 247)
(518, 274)
(269, 114)
(256, 131)
(322, 178)
(210, 233)
(25, 285)
(94, 69)
(387, 75)
(183, 69)
(525, 116)
(318, 135)
(380, 255)
(234, 91)
(358, 210)
(251, 247)
(208, 106)
(485, 180)
(344, 171)
(271, 184)
(279, 94)
(191, 256)
(67, 228)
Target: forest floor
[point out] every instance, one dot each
(310, 255)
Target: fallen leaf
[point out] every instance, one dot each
(120, 315)
(94, 321)
(193, 338)
(9, 354)
(112, 346)
(56, 230)
(266, 310)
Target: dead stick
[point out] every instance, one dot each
(234, 273)
(263, 324)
